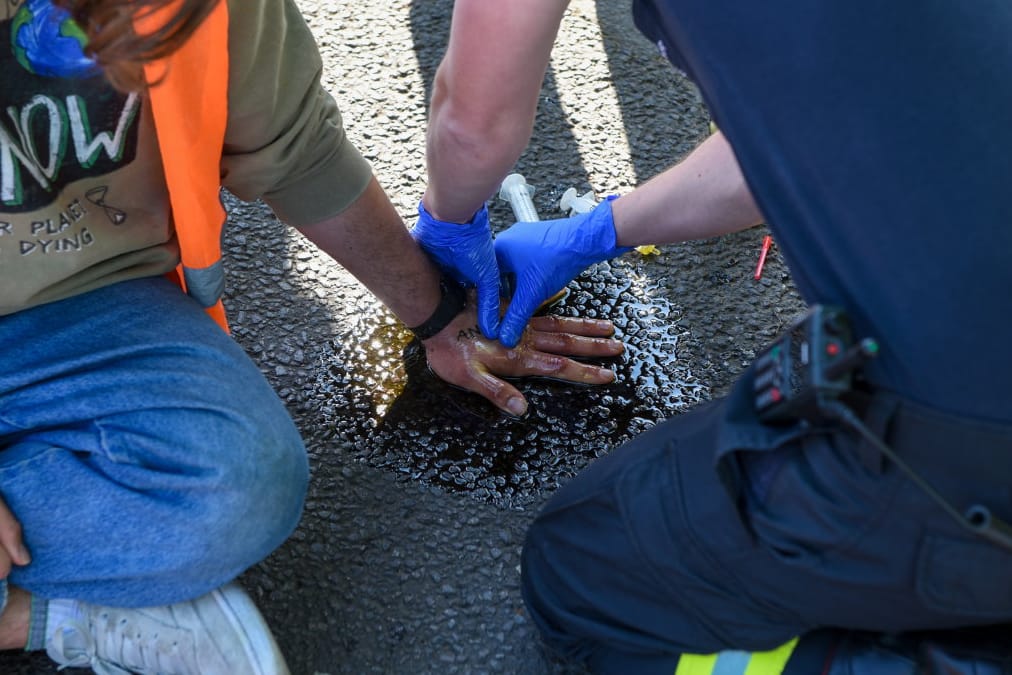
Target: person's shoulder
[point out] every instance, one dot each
(251, 7)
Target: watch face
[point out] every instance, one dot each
(46, 41)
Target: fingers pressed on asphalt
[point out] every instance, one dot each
(531, 362)
(582, 373)
(574, 345)
(573, 325)
(504, 395)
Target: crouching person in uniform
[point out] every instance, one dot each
(874, 139)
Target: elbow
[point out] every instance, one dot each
(482, 132)
(479, 145)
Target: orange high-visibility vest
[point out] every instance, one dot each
(189, 102)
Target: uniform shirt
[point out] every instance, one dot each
(876, 138)
(83, 200)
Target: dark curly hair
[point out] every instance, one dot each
(118, 48)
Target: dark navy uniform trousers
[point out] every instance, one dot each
(712, 532)
(876, 140)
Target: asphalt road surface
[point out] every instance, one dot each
(406, 560)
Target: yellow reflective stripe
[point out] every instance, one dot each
(696, 664)
(771, 662)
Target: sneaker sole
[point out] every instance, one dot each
(261, 649)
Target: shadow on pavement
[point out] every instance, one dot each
(406, 558)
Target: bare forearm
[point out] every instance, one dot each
(466, 164)
(704, 195)
(485, 98)
(370, 240)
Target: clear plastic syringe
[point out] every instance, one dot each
(517, 192)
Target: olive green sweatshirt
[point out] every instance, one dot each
(83, 200)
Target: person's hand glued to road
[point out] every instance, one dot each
(460, 355)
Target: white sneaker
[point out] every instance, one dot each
(221, 633)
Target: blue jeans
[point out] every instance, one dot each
(145, 455)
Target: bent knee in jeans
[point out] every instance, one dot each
(147, 460)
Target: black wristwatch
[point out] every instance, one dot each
(452, 301)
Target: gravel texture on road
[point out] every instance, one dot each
(406, 560)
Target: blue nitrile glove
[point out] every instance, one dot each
(465, 251)
(547, 255)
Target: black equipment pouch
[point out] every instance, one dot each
(808, 375)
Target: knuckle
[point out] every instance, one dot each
(548, 364)
(553, 323)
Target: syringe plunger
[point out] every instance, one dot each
(573, 203)
(517, 192)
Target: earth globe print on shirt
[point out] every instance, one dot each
(47, 42)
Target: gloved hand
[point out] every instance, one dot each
(545, 256)
(464, 250)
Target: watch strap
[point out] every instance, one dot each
(452, 301)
